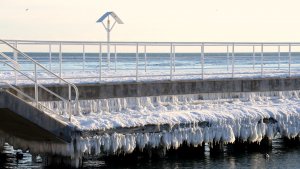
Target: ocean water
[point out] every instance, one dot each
(155, 61)
(156, 66)
(281, 155)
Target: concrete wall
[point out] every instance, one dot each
(155, 88)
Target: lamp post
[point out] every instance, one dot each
(108, 28)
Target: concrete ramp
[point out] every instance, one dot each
(19, 127)
(26, 122)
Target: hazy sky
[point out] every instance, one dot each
(152, 20)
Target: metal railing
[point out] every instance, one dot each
(163, 60)
(25, 97)
(33, 78)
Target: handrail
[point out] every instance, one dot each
(16, 89)
(147, 43)
(17, 65)
(48, 71)
(136, 56)
(39, 85)
(25, 95)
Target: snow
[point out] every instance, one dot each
(78, 77)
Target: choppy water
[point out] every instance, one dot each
(11, 158)
(281, 156)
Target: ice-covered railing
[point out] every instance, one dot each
(91, 61)
(33, 77)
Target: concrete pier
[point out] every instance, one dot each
(90, 91)
(20, 120)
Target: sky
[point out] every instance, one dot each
(153, 20)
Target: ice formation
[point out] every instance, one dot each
(226, 117)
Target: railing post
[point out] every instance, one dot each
(50, 57)
(227, 58)
(60, 61)
(233, 61)
(202, 60)
(279, 57)
(137, 63)
(253, 57)
(100, 62)
(108, 56)
(262, 60)
(69, 103)
(115, 50)
(174, 58)
(145, 57)
(36, 94)
(83, 57)
(290, 58)
(171, 61)
(15, 53)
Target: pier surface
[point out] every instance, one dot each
(44, 129)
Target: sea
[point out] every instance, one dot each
(157, 61)
(281, 155)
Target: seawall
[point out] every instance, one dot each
(167, 87)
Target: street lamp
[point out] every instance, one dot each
(108, 28)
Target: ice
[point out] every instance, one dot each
(211, 117)
(193, 119)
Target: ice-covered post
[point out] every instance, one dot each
(108, 29)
